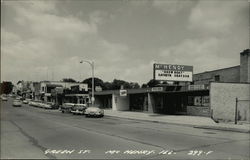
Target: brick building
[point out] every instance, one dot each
(237, 74)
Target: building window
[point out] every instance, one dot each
(217, 78)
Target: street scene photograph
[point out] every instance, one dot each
(125, 79)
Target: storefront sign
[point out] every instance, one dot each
(47, 94)
(157, 89)
(123, 92)
(169, 72)
(196, 87)
(98, 88)
(83, 87)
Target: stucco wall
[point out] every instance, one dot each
(151, 103)
(222, 100)
(120, 103)
(98, 101)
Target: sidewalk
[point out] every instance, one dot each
(192, 121)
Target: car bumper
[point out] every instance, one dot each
(94, 114)
(77, 112)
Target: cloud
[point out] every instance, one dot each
(122, 39)
(7, 37)
(56, 43)
(213, 17)
(53, 26)
(203, 54)
(172, 6)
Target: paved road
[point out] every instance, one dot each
(29, 132)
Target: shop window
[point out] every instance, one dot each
(197, 100)
(217, 78)
(190, 100)
(205, 101)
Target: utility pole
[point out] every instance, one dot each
(93, 89)
(236, 110)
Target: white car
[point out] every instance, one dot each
(32, 103)
(4, 98)
(94, 111)
(17, 103)
(47, 105)
(25, 102)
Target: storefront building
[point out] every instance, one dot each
(192, 98)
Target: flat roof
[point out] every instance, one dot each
(146, 90)
(77, 95)
(238, 66)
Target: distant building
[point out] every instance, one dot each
(237, 74)
(48, 88)
(35, 89)
(23, 88)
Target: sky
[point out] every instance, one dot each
(46, 40)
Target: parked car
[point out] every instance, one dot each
(50, 105)
(94, 111)
(18, 98)
(25, 102)
(17, 103)
(78, 109)
(39, 104)
(66, 107)
(54, 106)
(32, 103)
(3, 98)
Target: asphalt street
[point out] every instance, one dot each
(29, 132)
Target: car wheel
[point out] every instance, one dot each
(62, 111)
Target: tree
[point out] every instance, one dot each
(144, 85)
(116, 84)
(134, 85)
(19, 82)
(6, 87)
(68, 80)
(153, 83)
(107, 86)
(97, 82)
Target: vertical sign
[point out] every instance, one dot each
(123, 92)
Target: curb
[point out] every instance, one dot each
(190, 125)
(224, 129)
(154, 121)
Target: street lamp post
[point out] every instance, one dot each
(92, 67)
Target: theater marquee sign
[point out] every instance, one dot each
(172, 72)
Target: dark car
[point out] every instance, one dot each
(78, 109)
(66, 107)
